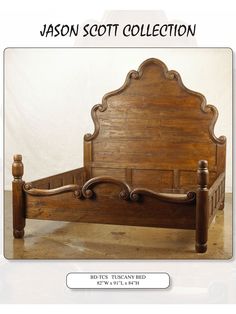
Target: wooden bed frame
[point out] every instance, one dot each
(153, 160)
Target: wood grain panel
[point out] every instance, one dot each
(152, 179)
(160, 153)
(153, 121)
(112, 172)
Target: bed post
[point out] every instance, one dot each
(18, 197)
(202, 207)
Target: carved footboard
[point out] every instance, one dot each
(99, 200)
(110, 201)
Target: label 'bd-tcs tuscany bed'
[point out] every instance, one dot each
(153, 160)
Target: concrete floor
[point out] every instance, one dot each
(63, 240)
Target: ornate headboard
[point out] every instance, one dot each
(153, 131)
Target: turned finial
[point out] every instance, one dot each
(203, 174)
(17, 167)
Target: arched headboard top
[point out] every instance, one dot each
(154, 122)
(153, 81)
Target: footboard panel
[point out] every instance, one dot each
(110, 209)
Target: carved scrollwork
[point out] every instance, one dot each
(29, 189)
(126, 192)
(88, 136)
(78, 193)
(88, 193)
(136, 195)
(171, 75)
(27, 186)
(221, 139)
(134, 74)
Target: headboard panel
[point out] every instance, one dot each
(153, 130)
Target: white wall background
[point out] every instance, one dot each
(49, 94)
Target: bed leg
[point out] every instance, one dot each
(202, 207)
(18, 197)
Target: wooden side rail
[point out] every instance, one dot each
(218, 182)
(217, 195)
(75, 176)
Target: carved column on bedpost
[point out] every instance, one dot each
(202, 207)
(18, 197)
